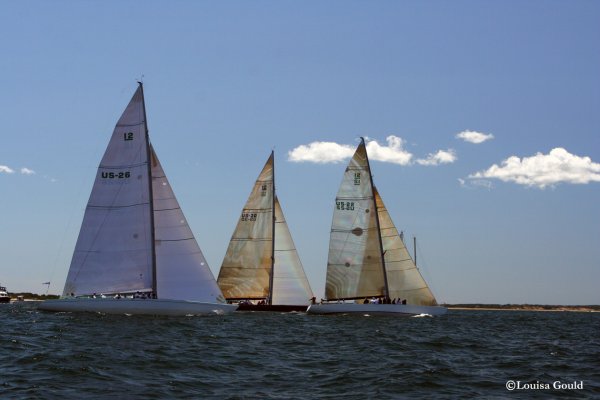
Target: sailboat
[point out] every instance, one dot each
(136, 253)
(261, 270)
(369, 269)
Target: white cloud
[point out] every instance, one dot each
(484, 183)
(330, 152)
(542, 170)
(321, 153)
(441, 157)
(392, 153)
(474, 137)
(27, 171)
(6, 170)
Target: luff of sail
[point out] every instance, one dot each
(404, 279)
(113, 252)
(355, 265)
(245, 272)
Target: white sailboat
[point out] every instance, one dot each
(136, 253)
(368, 265)
(261, 269)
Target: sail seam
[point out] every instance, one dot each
(123, 125)
(123, 166)
(116, 207)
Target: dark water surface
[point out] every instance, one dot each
(464, 354)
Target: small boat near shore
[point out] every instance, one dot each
(136, 253)
(4, 296)
(369, 269)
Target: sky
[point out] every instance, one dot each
(481, 121)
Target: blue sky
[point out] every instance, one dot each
(513, 219)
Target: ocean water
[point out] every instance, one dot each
(464, 354)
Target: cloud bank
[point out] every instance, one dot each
(543, 170)
(394, 152)
(474, 137)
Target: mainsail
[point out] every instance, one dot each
(261, 261)
(355, 265)
(367, 257)
(134, 236)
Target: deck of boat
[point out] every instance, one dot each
(273, 307)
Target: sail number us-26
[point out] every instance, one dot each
(127, 136)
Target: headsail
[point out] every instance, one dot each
(245, 272)
(355, 265)
(182, 272)
(114, 248)
(404, 279)
(290, 285)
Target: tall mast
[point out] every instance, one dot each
(150, 195)
(415, 249)
(385, 280)
(272, 234)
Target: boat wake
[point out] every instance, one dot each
(422, 315)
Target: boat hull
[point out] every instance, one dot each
(273, 307)
(406, 310)
(137, 306)
(4, 299)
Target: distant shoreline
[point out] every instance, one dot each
(522, 307)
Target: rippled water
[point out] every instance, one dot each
(268, 355)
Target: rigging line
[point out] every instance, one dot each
(425, 270)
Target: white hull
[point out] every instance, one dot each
(375, 309)
(137, 306)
